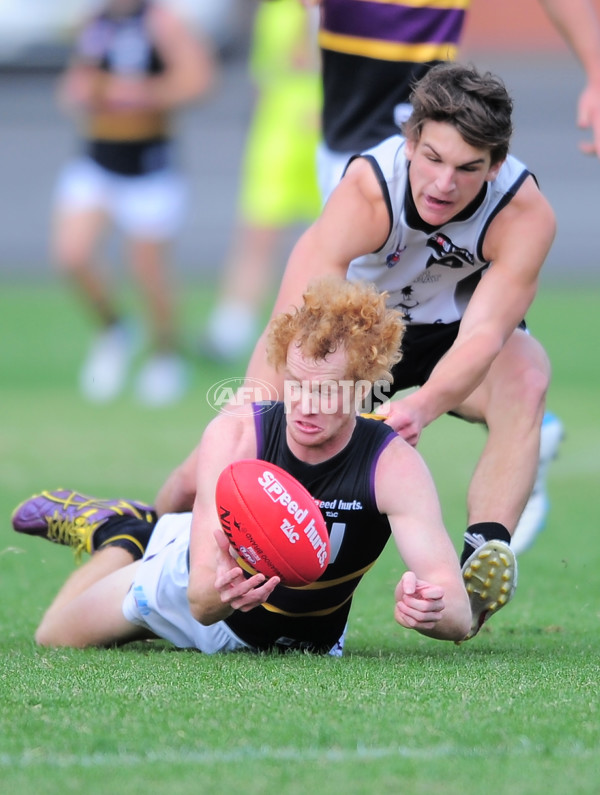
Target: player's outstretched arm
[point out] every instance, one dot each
(430, 597)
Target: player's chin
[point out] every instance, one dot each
(437, 213)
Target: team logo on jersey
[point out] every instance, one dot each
(407, 302)
(394, 258)
(448, 255)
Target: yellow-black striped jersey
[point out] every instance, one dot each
(372, 51)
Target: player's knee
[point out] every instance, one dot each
(533, 387)
(525, 386)
(52, 632)
(68, 256)
(519, 398)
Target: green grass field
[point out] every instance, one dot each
(514, 711)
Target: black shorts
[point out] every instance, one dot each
(422, 348)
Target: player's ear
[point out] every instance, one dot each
(493, 171)
(409, 148)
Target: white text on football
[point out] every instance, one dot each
(278, 493)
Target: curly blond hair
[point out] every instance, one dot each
(335, 313)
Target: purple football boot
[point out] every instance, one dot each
(70, 518)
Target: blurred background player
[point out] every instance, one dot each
(278, 181)
(371, 53)
(135, 62)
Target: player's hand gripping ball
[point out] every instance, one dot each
(272, 522)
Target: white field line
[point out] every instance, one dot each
(41, 758)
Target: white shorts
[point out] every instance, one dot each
(158, 599)
(149, 206)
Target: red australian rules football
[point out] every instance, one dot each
(272, 521)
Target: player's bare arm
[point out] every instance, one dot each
(227, 438)
(432, 599)
(191, 63)
(577, 22)
(178, 492)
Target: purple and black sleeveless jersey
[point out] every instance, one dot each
(313, 616)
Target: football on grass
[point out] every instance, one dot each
(272, 522)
